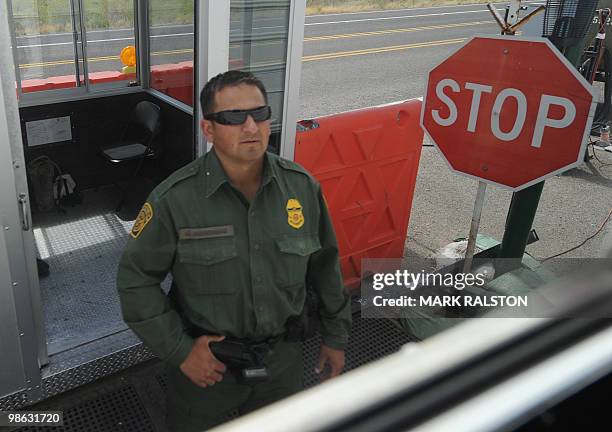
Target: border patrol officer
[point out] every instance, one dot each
(244, 234)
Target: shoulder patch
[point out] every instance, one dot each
(145, 215)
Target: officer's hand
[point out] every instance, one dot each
(201, 366)
(333, 357)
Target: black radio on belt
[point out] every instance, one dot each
(243, 357)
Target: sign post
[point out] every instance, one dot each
(471, 245)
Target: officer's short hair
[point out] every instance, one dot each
(226, 79)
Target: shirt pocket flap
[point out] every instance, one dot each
(207, 251)
(302, 246)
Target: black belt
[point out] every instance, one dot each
(196, 331)
(240, 352)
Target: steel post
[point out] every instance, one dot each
(521, 214)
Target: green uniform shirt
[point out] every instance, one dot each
(239, 269)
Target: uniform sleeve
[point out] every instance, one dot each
(325, 278)
(146, 261)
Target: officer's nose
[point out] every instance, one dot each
(250, 125)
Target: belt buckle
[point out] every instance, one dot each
(259, 349)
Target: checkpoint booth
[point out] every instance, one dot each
(71, 81)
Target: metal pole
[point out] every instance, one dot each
(75, 42)
(82, 19)
(212, 27)
(521, 214)
(523, 206)
(471, 246)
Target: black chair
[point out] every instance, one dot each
(138, 141)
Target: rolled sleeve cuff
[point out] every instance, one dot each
(181, 352)
(335, 341)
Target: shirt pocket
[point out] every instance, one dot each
(206, 264)
(294, 253)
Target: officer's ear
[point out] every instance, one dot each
(208, 130)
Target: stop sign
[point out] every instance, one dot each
(508, 111)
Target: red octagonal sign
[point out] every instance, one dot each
(508, 111)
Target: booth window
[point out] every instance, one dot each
(73, 46)
(171, 42)
(111, 43)
(258, 44)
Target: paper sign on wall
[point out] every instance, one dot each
(47, 131)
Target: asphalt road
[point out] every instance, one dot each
(53, 54)
(359, 60)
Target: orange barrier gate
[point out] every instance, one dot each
(367, 162)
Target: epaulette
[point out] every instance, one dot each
(178, 176)
(292, 166)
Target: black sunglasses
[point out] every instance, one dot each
(238, 117)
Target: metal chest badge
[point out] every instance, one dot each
(295, 217)
(145, 215)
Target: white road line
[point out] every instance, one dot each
(398, 17)
(379, 11)
(44, 45)
(270, 27)
(114, 39)
(102, 31)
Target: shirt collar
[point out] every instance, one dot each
(216, 176)
(269, 171)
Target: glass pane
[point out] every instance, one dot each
(258, 43)
(46, 48)
(111, 43)
(171, 43)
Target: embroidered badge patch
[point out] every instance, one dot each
(295, 217)
(145, 215)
